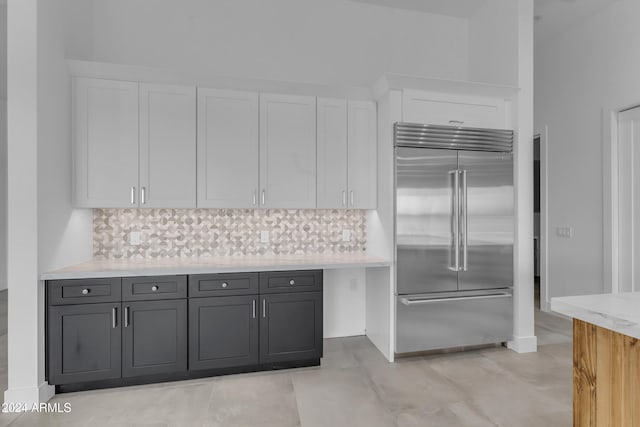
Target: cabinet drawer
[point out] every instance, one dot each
(290, 281)
(453, 110)
(154, 288)
(82, 291)
(208, 285)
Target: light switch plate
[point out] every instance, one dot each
(134, 238)
(264, 237)
(565, 232)
(346, 235)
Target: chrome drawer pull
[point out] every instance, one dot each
(85, 291)
(154, 288)
(225, 284)
(292, 282)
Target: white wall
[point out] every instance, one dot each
(591, 66)
(44, 232)
(493, 43)
(333, 42)
(3, 147)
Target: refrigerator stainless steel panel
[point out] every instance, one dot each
(425, 225)
(486, 220)
(453, 319)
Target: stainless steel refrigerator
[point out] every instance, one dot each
(454, 236)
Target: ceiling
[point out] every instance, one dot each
(553, 17)
(457, 8)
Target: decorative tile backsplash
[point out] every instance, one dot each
(175, 233)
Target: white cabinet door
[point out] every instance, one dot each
(287, 151)
(105, 115)
(332, 153)
(362, 155)
(228, 135)
(167, 146)
(453, 110)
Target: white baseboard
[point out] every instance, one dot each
(545, 306)
(29, 396)
(524, 344)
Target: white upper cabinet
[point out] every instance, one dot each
(347, 154)
(454, 110)
(135, 145)
(362, 155)
(228, 138)
(105, 116)
(287, 151)
(332, 153)
(167, 146)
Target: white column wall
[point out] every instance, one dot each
(25, 376)
(524, 339)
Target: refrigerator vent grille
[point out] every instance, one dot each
(452, 137)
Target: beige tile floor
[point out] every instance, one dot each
(355, 386)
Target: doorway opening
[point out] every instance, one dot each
(536, 218)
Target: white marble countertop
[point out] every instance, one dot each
(617, 312)
(207, 265)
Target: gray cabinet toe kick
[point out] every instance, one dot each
(111, 332)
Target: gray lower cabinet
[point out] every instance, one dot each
(84, 342)
(154, 337)
(291, 327)
(223, 332)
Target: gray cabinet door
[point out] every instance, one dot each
(227, 149)
(154, 337)
(84, 343)
(291, 327)
(287, 151)
(105, 121)
(223, 332)
(167, 146)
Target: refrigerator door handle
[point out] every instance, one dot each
(463, 226)
(421, 301)
(455, 220)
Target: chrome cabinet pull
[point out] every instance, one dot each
(143, 195)
(225, 284)
(154, 288)
(133, 195)
(255, 197)
(351, 197)
(292, 282)
(455, 223)
(456, 122)
(126, 317)
(463, 205)
(253, 309)
(264, 308)
(114, 314)
(85, 291)
(263, 197)
(344, 198)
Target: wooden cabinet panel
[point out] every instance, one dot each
(606, 377)
(363, 155)
(167, 146)
(154, 337)
(287, 151)
(105, 125)
(228, 138)
(84, 343)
